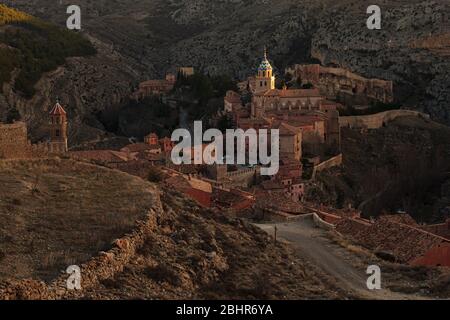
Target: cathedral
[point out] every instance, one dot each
(304, 116)
(267, 99)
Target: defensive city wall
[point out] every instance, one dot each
(378, 120)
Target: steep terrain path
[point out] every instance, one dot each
(347, 269)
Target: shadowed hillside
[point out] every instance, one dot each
(404, 166)
(34, 47)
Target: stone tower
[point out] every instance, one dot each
(58, 129)
(265, 79)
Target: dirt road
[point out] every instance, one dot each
(346, 268)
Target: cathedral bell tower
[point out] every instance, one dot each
(265, 79)
(58, 129)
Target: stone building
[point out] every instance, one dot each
(313, 117)
(14, 141)
(343, 85)
(186, 71)
(232, 101)
(155, 87)
(58, 130)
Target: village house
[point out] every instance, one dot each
(150, 148)
(186, 71)
(198, 190)
(396, 237)
(155, 87)
(400, 237)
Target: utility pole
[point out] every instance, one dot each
(275, 233)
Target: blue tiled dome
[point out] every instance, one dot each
(265, 65)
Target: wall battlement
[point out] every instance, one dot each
(339, 83)
(377, 120)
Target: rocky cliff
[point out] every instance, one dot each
(140, 39)
(412, 49)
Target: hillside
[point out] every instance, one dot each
(57, 213)
(34, 47)
(403, 166)
(138, 40)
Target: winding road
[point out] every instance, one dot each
(312, 243)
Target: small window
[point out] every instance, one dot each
(57, 133)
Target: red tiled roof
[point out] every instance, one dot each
(406, 242)
(138, 147)
(292, 93)
(152, 83)
(196, 189)
(399, 218)
(272, 185)
(286, 129)
(100, 155)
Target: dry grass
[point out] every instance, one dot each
(197, 253)
(56, 213)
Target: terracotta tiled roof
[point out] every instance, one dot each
(292, 93)
(233, 97)
(152, 83)
(198, 190)
(272, 185)
(101, 155)
(286, 129)
(407, 243)
(399, 218)
(138, 147)
(277, 200)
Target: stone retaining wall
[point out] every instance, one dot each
(99, 268)
(378, 120)
(327, 164)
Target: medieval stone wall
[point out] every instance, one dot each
(378, 120)
(330, 163)
(14, 141)
(338, 83)
(99, 268)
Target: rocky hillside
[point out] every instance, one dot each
(139, 39)
(134, 240)
(403, 166)
(412, 48)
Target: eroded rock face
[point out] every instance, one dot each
(412, 49)
(143, 39)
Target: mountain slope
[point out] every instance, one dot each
(137, 40)
(37, 47)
